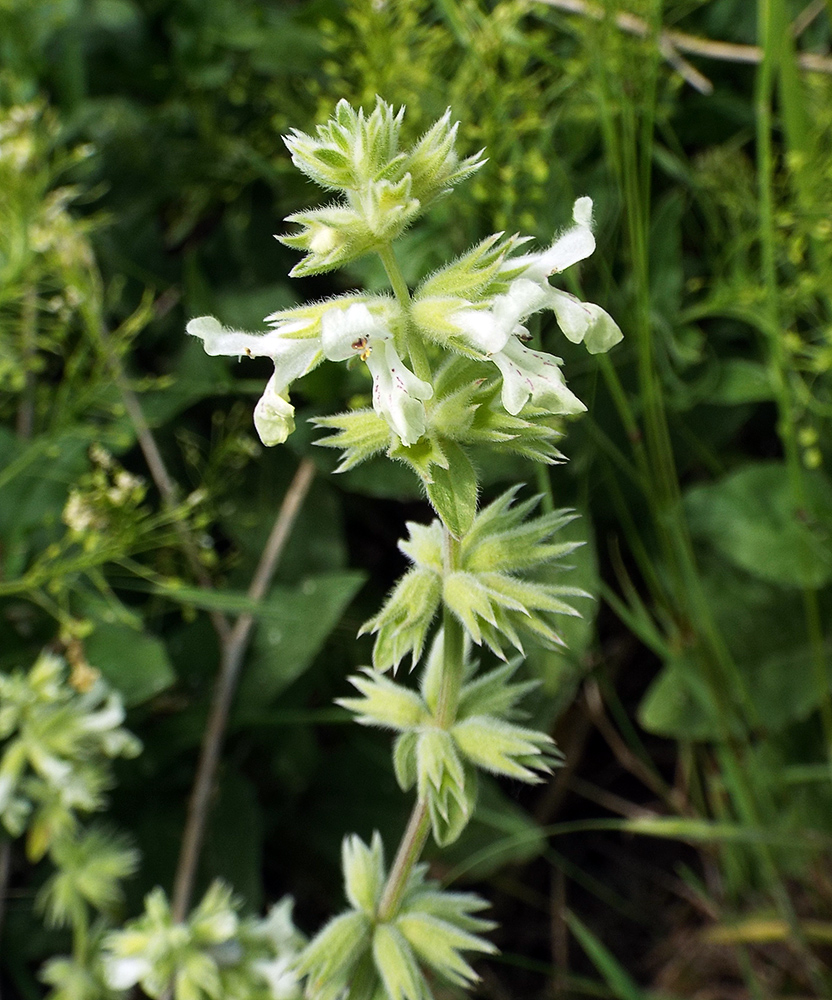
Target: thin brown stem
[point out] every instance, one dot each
(28, 324)
(233, 652)
(809, 13)
(162, 480)
(671, 43)
(5, 873)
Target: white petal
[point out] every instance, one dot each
(585, 322)
(343, 329)
(533, 374)
(398, 395)
(282, 982)
(122, 973)
(274, 414)
(575, 244)
(582, 211)
(480, 329)
(217, 339)
(488, 330)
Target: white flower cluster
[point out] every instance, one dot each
(370, 327)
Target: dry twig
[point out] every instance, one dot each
(233, 639)
(672, 43)
(233, 652)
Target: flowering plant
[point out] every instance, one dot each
(450, 368)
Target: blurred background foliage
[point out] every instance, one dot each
(684, 850)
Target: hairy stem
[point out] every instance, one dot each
(409, 852)
(233, 652)
(452, 646)
(415, 348)
(416, 834)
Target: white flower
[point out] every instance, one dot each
(336, 331)
(282, 981)
(274, 415)
(533, 374)
(398, 395)
(292, 355)
(493, 326)
(123, 972)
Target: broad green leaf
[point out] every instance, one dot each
(134, 662)
(741, 381)
(764, 629)
(678, 704)
(299, 620)
(752, 518)
(453, 491)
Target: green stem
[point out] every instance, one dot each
(452, 647)
(410, 849)
(418, 827)
(415, 347)
(80, 932)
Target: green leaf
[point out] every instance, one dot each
(741, 381)
(678, 704)
(764, 629)
(453, 491)
(300, 618)
(752, 518)
(134, 662)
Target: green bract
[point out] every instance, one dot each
(90, 868)
(359, 955)
(384, 188)
(440, 758)
(491, 590)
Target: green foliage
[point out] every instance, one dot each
(440, 759)
(142, 175)
(90, 868)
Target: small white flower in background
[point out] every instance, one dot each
(56, 743)
(213, 954)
